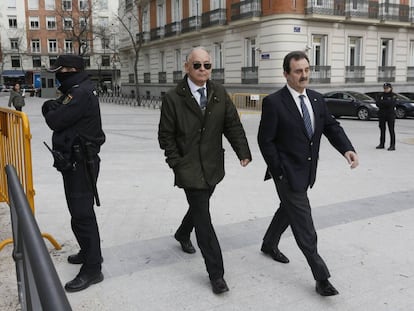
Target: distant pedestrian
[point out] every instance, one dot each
(194, 117)
(386, 115)
(17, 97)
(293, 120)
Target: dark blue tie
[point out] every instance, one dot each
(306, 116)
(203, 98)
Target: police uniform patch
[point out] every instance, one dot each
(67, 99)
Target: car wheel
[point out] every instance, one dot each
(363, 114)
(400, 113)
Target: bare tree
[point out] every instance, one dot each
(130, 17)
(77, 24)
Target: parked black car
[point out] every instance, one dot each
(404, 108)
(410, 95)
(351, 104)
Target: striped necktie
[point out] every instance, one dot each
(306, 116)
(203, 98)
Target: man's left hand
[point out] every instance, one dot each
(352, 159)
(244, 162)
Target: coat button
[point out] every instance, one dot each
(309, 159)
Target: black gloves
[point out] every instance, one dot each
(51, 104)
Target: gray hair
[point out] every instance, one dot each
(197, 48)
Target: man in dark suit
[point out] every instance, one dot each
(292, 123)
(194, 117)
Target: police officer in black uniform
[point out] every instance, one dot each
(386, 114)
(77, 137)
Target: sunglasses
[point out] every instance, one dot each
(197, 66)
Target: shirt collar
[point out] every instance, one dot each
(295, 94)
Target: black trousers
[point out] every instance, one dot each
(80, 200)
(294, 210)
(198, 217)
(385, 120)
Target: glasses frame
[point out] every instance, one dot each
(206, 66)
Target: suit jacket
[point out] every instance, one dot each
(284, 144)
(193, 141)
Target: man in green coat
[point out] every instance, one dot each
(194, 117)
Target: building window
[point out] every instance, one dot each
(33, 4)
(83, 23)
(250, 52)
(14, 44)
(67, 23)
(176, 11)
(106, 61)
(34, 22)
(178, 61)
(218, 55)
(354, 50)
(411, 55)
(15, 61)
(83, 5)
(50, 22)
(105, 43)
(11, 4)
(87, 61)
(318, 2)
(12, 22)
(161, 14)
(50, 5)
(52, 60)
(52, 45)
(37, 61)
(67, 5)
(68, 47)
(217, 4)
(162, 61)
(103, 4)
(35, 45)
(386, 52)
(319, 50)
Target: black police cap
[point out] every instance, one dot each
(69, 60)
(387, 84)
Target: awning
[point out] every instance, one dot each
(13, 73)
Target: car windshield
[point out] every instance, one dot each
(402, 97)
(360, 96)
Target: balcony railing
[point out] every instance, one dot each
(172, 29)
(386, 73)
(250, 75)
(410, 73)
(147, 77)
(213, 18)
(355, 74)
(177, 76)
(246, 9)
(320, 74)
(144, 36)
(162, 77)
(361, 9)
(217, 74)
(394, 12)
(157, 33)
(190, 24)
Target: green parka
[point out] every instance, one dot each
(193, 141)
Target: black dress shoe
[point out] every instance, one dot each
(325, 288)
(186, 245)
(379, 147)
(219, 286)
(82, 281)
(77, 259)
(391, 148)
(275, 254)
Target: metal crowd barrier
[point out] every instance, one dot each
(144, 101)
(15, 149)
(38, 284)
(248, 101)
